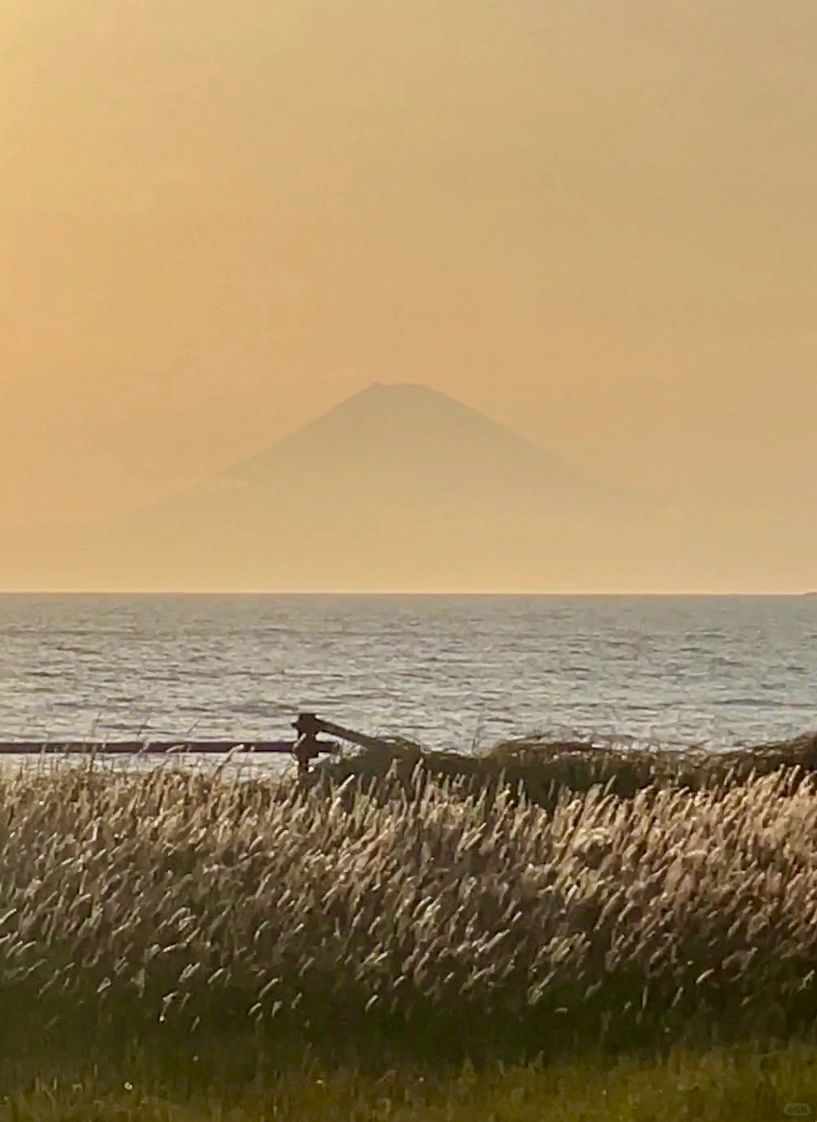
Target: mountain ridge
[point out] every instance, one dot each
(397, 486)
(405, 412)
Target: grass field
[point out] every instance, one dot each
(197, 936)
(746, 1084)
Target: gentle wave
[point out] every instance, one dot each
(444, 671)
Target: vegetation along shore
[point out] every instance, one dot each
(415, 931)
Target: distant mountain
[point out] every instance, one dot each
(399, 487)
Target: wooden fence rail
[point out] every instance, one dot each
(305, 748)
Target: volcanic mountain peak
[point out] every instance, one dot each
(399, 486)
(396, 421)
(421, 401)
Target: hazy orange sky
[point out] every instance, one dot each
(593, 221)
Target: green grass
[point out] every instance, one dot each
(748, 1084)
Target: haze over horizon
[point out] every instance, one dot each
(400, 488)
(592, 224)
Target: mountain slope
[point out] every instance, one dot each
(398, 487)
(411, 433)
(403, 448)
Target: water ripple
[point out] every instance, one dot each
(446, 670)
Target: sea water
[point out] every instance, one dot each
(448, 671)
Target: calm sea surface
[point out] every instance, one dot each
(448, 670)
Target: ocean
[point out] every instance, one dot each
(449, 671)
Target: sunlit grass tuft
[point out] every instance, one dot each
(183, 912)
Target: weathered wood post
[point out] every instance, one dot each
(307, 747)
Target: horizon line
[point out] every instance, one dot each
(377, 592)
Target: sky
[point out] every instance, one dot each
(593, 222)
